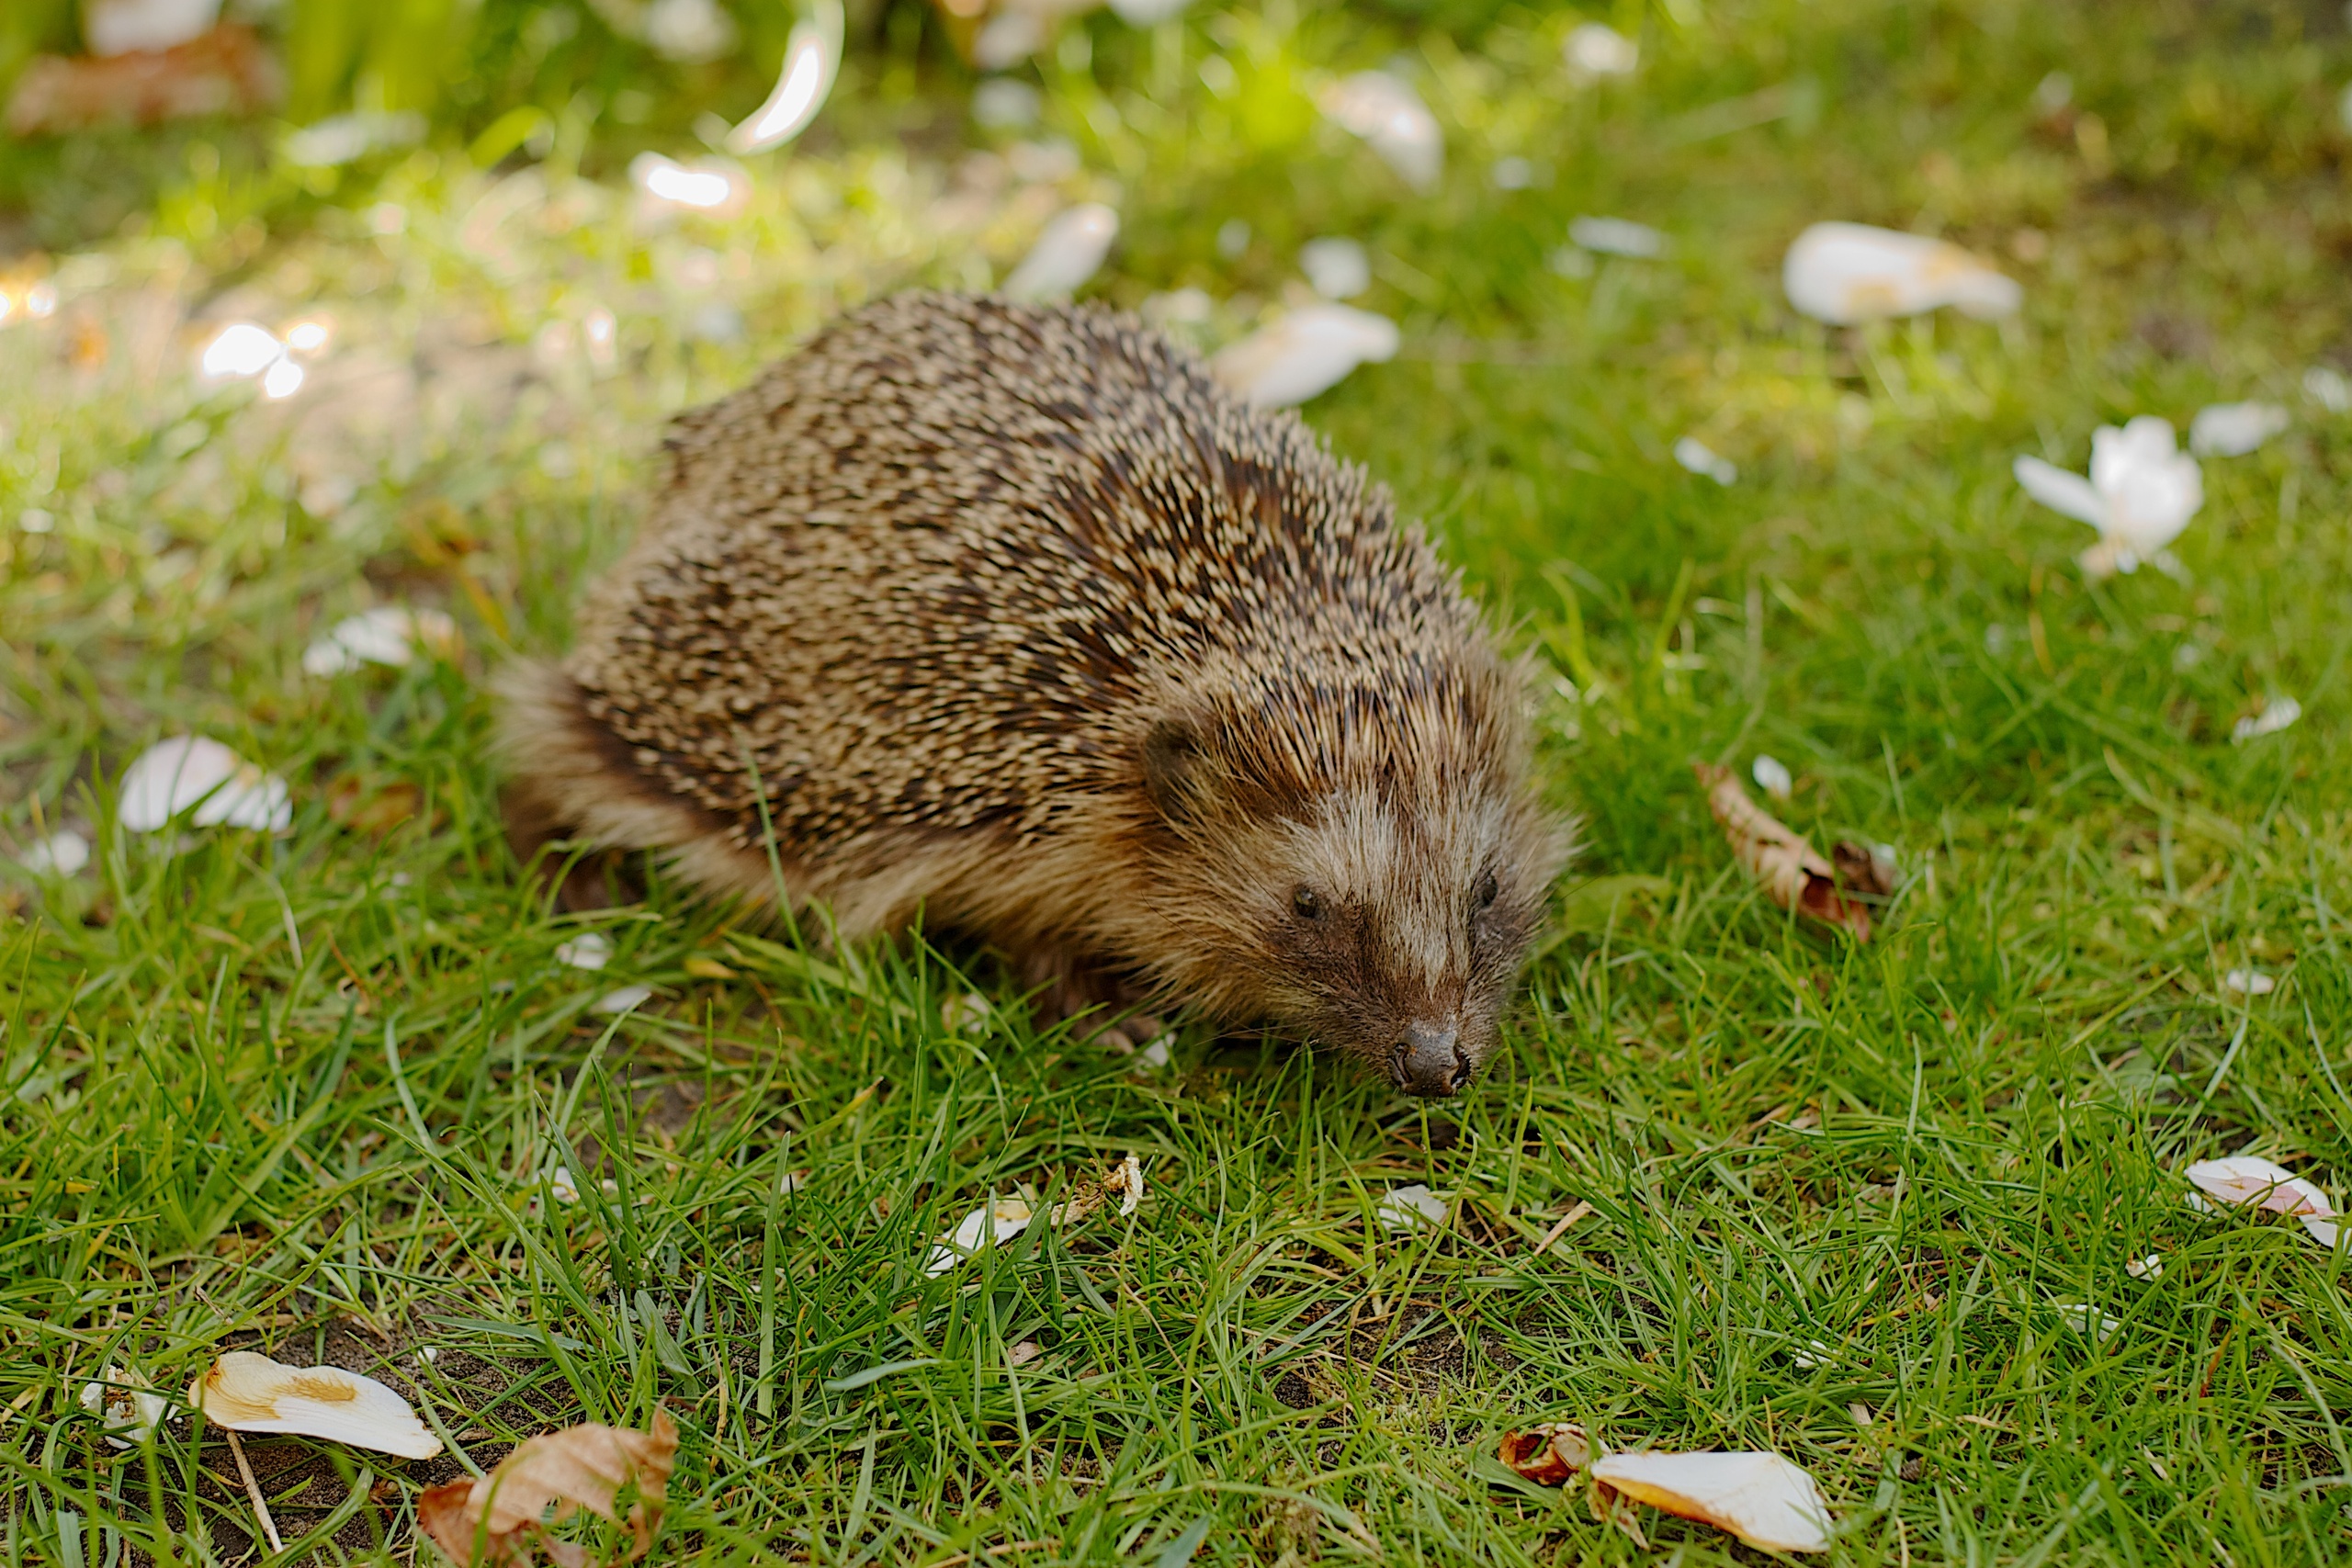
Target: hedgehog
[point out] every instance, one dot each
(1010, 621)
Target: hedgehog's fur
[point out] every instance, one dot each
(1010, 617)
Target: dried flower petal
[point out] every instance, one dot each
(248, 1393)
(1548, 1454)
(1793, 876)
(498, 1514)
(1761, 1498)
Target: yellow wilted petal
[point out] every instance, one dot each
(248, 1393)
(1759, 1497)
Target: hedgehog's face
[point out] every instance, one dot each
(1390, 925)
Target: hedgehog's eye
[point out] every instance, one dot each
(1483, 896)
(1306, 903)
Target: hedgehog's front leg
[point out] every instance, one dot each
(1065, 984)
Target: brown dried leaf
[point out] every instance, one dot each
(1792, 873)
(580, 1467)
(354, 803)
(1548, 1454)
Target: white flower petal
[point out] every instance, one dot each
(2149, 487)
(1130, 1185)
(2275, 714)
(1070, 250)
(1336, 266)
(592, 950)
(1618, 237)
(2331, 390)
(2244, 1180)
(1703, 460)
(1761, 1498)
(63, 853)
(2232, 430)
(707, 187)
(191, 771)
(998, 1220)
(1407, 1208)
(124, 27)
(2087, 1321)
(1305, 353)
(1771, 776)
(1844, 273)
(1005, 102)
(252, 1394)
(123, 1401)
(240, 351)
(1592, 50)
(629, 998)
(2061, 492)
(2152, 1267)
(2249, 982)
(387, 635)
(1388, 114)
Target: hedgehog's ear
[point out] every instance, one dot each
(1175, 770)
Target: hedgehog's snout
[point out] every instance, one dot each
(1429, 1061)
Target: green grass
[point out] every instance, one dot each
(302, 1094)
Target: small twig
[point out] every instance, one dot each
(1557, 1231)
(253, 1490)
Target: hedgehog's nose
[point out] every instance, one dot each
(1429, 1061)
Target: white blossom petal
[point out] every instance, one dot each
(1408, 1208)
(63, 853)
(2061, 491)
(1388, 114)
(2152, 1267)
(387, 635)
(126, 27)
(240, 351)
(1703, 460)
(1336, 268)
(2249, 982)
(252, 1394)
(1771, 776)
(998, 1220)
(1845, 273)
(126, 1404)
(1618, 237)
(2232, 430)
(2246, 1180)
(1305, 353)
(1592, 50)
(629, 998)
(191, 771)
(1761, 1498)
(812, 59)
(1070, 250)
(2275, 714)
(2149, 486)
(707, 186)
(591, 950)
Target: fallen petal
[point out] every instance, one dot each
(1592, 50)
(1618, 237)
(1548, 1454)
(2249, 982)
(63, 853)
(1845, 273)
(2152, 1267)
(1336, 268)
(248, 1393)
(1408, 1208)
(126, 1404)
(1771, 776)
(1129, 1179)
(580, 1467)
(1792, 874)
(705, 187)
(998, 1220)
(1701, 459)
(2244, 1180)
(2148, 488)
(2331, 390)
(629, 998)
(2087, 1321)
(592, 950)
(1388, 114)
(2232, 430)
(1761, 1498)
(1070, 251)
(194, 772)
(239, 352)
(1305, 353)
(2275, 714)
(387, 635)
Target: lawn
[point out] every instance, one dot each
(336, 1093)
